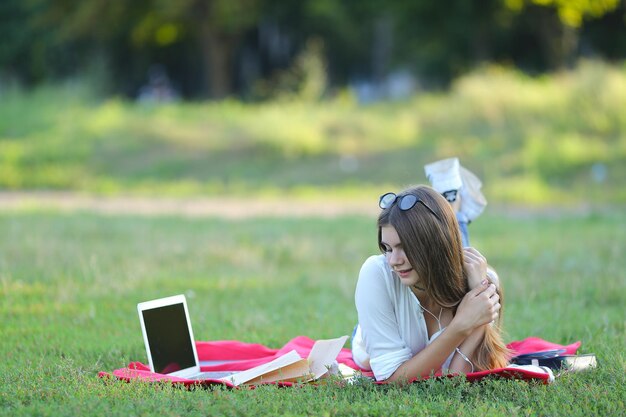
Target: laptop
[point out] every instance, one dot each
(169, 341)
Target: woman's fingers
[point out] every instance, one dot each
(482, 287)
(496, 311)
(480, 306)
(492, 299)
(473, 258)
(470, 258)
(488, 290)
(475, 266)
(493, 276)
(472, 253)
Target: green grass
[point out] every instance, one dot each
(70, 283)
(534, 141)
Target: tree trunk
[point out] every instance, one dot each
(217, 57)
(559, 41)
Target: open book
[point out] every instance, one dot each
(291, 367)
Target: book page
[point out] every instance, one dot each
(323, 355)
(580, 362)
(250, 374)
(298, 371)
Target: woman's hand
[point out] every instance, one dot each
(475, 266)
(480, 306)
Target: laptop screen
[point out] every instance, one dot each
(167, 332)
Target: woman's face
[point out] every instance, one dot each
(390, 241)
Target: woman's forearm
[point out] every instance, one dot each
(466, 331)
(432, 357)
(469, 348)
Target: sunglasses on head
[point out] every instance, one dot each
(405, 202)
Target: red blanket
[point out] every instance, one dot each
(232, 355)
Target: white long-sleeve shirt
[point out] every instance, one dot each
(392, 328)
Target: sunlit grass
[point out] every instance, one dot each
(548, 140)
(69, 285)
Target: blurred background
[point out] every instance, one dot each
(313, 98)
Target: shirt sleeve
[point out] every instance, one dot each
(376, 311)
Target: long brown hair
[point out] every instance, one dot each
(433, 246)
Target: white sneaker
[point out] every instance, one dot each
(473, 202)
(445, 177)
(452, 180)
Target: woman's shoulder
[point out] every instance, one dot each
(376, 259)
(374, 264)
(375, 282)
(375, 272)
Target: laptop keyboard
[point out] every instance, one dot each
(213, 375)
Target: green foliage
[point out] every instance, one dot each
(571, 13)
(305, 81)
(218, 48)
(547, 140)
(69, 285)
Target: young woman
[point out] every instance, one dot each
(426, 305)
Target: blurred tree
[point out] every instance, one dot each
(345, 27)
(15, 40)
(571, 13)
(217, 27)
(52, 39)
(606, 35)
(27, 51)
(218, 47)
(558, 23)
(444, 39)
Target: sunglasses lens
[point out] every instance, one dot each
(407, 202)
(387, 200)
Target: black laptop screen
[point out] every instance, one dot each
(168, 336)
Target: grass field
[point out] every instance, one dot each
(70, 279)
(70, 284)
(557, 139)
